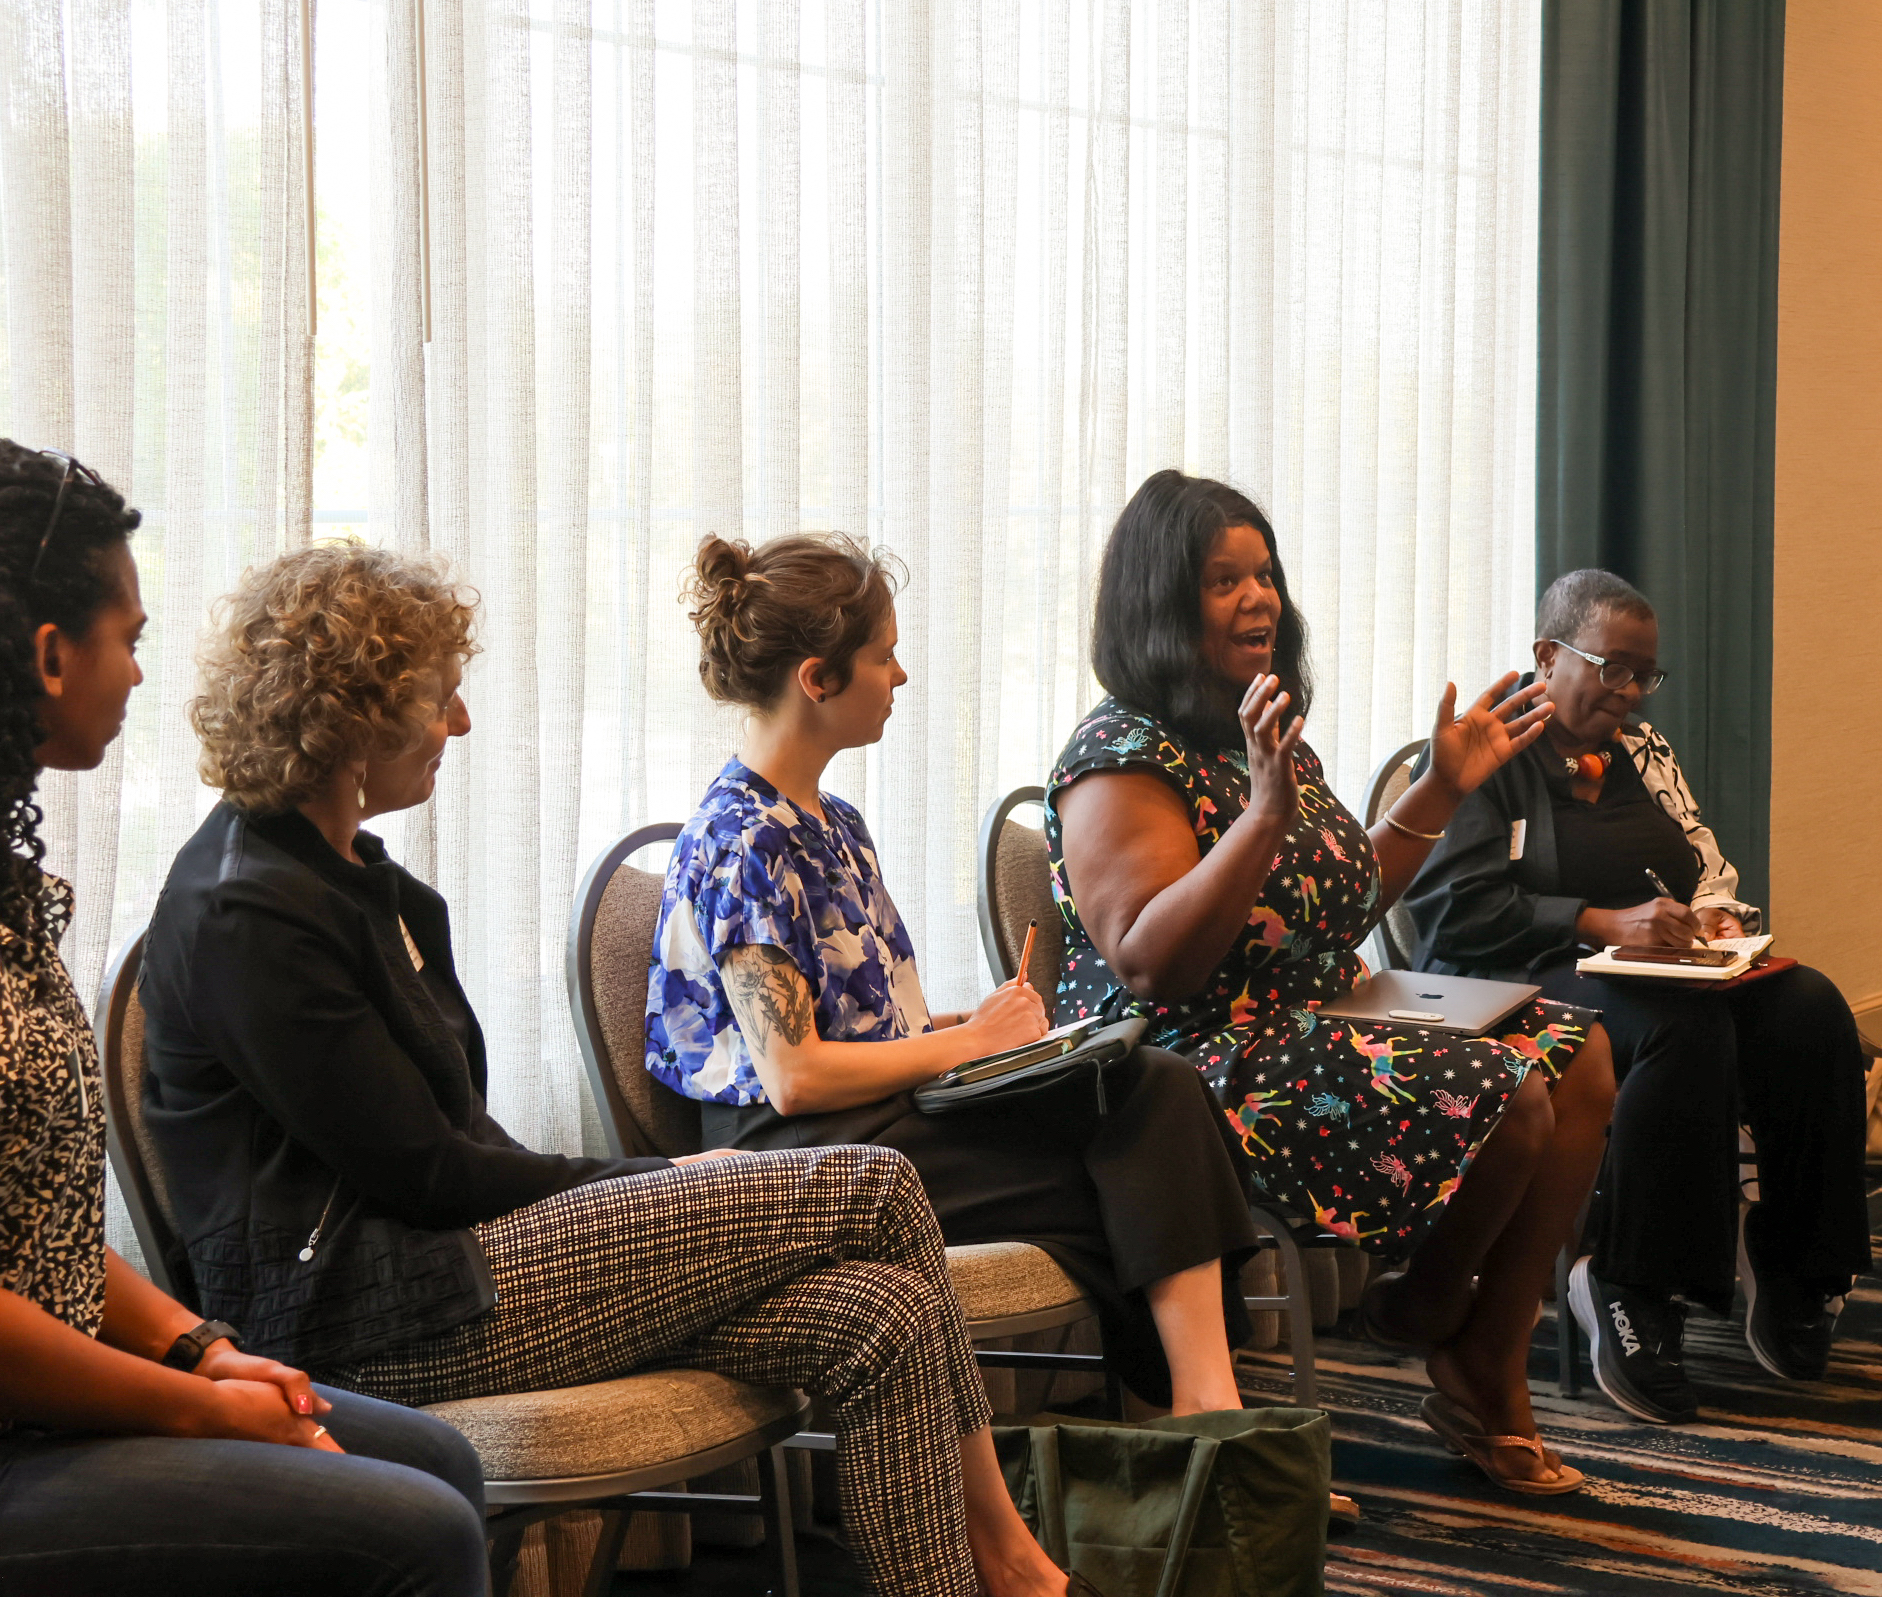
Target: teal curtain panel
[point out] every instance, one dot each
(1657, 358)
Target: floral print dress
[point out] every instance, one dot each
(1365, 1127)
(752, 866)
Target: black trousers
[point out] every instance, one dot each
(1153, 1187)
(1781, 1055)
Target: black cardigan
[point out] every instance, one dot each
(298, 1065)
(1477, 911)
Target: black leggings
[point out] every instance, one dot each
(1782, 1055)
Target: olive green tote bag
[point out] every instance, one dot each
(1229, 1504)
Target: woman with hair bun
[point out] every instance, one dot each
(784, 995)
(317, 1095)
(141, 1451)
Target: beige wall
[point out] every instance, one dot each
(1826, 735)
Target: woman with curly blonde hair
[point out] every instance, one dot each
(316, 1095)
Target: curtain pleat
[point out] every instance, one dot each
(952, 275)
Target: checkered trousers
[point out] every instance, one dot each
(820, 1268)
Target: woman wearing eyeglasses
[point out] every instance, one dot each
(1590, 838)
(141, 1451)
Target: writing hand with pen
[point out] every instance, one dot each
(1661, 922)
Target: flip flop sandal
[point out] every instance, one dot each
(1459, 1429)
(1343, 1515)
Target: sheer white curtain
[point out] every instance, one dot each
(951, 274)
(153, 225)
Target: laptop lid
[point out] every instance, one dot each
(1465, 1006)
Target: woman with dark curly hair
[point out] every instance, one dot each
(140, 1450)
(317, 1094)
(1211, 881)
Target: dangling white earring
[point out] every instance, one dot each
(362, 792)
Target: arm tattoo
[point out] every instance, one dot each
(770, 998)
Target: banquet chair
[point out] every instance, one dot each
(1013, 890)
(616, 1447)
(1005, 1289)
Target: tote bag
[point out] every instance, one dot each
(1227, 1504)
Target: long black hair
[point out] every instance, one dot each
(1146, 637)
(74, 582)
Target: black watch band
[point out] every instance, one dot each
(187, 1351)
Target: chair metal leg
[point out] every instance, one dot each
(1299, 1320)
(607, 1554)
(774, 1489)
(505, 1548)
(1567, 1331)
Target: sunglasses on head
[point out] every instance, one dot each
(73, 468)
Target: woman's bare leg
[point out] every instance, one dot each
(1430, 1303)
(1187, 1307)
(1009, 1562)
(1485, 1367)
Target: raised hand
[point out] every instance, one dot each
(1467, 749)
(1273, 788)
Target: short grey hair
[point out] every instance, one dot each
(1576, 600)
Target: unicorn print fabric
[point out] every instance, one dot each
(1367, 1128)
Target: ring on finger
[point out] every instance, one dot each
(319, 1431)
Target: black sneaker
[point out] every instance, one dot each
(1789, 1325)
(1634, 1345)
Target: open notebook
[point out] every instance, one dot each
(1743, 950)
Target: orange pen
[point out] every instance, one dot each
(1025, 954)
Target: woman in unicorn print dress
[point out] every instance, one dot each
(1210, 880)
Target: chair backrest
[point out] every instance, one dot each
(610, 945)
(1396, 936)
(1015, 887)
(120, 1029)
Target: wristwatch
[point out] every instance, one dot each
(187, 1351)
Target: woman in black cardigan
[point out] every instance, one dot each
(1568, 848)
(316, 1093)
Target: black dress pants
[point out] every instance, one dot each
(1781, 1055)
(1152, 1187)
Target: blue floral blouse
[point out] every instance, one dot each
(753, 867)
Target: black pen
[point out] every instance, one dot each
(1657, 885)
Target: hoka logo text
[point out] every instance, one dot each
(1624, 1328)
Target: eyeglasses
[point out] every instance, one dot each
(72, 469)
(1614, 675)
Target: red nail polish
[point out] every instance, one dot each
(303, 1404)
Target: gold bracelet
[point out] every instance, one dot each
(1400, 826)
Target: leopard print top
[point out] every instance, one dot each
(52, 1129)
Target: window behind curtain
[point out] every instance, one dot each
(952, 276)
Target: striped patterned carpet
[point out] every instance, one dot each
(1777, 1489)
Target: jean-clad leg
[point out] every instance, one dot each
(400, 1515)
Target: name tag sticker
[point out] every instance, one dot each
(1519, 836)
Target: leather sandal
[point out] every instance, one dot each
(1343, 1514)
(1459, 1430)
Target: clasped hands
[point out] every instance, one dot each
(260, 1400)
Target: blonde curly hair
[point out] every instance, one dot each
(326, 655)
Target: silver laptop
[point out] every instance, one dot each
(1464, 1006)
